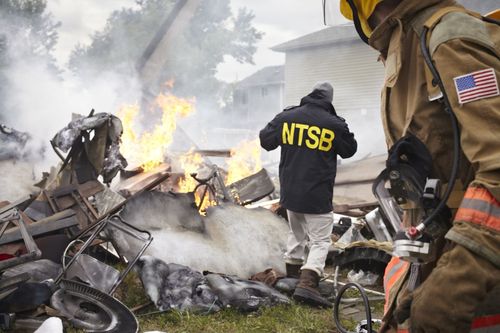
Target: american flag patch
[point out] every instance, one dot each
(477, 85)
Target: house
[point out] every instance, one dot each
(336, 54)
(258, 97)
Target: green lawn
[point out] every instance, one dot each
(292, 318)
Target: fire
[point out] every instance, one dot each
(190, 163)
(245, 161)
(148, 150)
(128, 114)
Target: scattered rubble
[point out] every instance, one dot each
(61, 245)
(81, 226)
(13, 143)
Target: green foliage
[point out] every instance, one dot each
(213, 34)
(28, 32)
(27, 21)
(123, 39)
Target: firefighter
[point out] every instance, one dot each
(310, 136)
(459, 293)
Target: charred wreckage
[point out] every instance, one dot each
(68, 245)
(66, 248)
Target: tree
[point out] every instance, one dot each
(213, 33)
(28, 32)
(26, 22)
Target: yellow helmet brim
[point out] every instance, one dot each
(494, 14)
(365, 9)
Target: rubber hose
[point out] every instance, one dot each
(365, 302)
(454, 126)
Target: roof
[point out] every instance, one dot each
(265, 76)
(331, 35)
(346, 32)
(353, 184)
(365, 170)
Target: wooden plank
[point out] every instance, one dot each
(14, 204)
(51, 202)
(213, 152)
(61, 220)
(161, 51)
(63, 197)
(253, 188)
(64, 202)
(136, 183)
(90, 188)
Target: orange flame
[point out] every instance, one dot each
(148, 150)
(190, 162)
(245, 161)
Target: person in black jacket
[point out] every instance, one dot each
(311, 136)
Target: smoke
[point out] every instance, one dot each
(40, 98)
(231, 239)
(17, 179)
(42, 103)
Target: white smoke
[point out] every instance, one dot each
(236, 241)
(231, 239)
(40, 99)
(41, 103)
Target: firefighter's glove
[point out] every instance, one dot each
(410, 151)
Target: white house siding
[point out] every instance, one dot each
(351, 67)
(257, 108)
(357, 78)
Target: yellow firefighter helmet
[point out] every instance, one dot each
(494, 14)
(355, 10)
(364, 8)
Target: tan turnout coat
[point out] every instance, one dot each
(460, 43)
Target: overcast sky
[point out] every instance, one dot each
(280, 21)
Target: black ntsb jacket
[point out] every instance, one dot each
(310, 135)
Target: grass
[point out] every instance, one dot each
(293, 318)
(283, 319)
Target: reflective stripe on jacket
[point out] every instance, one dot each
(481, 208)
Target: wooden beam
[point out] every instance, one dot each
(61, 220)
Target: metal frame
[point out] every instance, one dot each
(96, 230)
(208, 182)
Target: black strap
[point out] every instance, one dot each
(454, 124)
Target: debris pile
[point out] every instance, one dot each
(67, 247)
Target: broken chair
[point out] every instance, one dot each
(117, 237)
